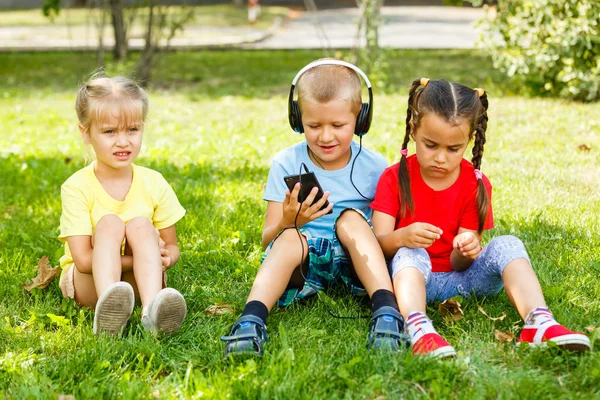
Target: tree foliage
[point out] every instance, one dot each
(552, 45)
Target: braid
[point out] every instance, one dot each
(480, 130)
(406, 200)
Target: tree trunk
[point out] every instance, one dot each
(116, 11)
(144, 66)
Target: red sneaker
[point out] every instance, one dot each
(551, 331)
(432, 344)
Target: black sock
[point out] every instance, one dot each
(257, 309)
(382, 298)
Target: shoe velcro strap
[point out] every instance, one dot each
(541, 330)
(242, 336)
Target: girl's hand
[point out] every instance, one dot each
(421, 235)
(165, 257)
(308, 212)
(467, 244)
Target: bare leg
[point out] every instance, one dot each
(368, 261)
(522, 286)
(409, 288)
(106, 257)
(85, 289)
(276, 270)
(147, 265)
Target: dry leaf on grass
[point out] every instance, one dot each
(592, 328)
(66, 397)
(500, 318)
(584, 147)
(44, 276)
(450, 309)
(503, 337)
(218, 309)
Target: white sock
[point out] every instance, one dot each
(417, 325)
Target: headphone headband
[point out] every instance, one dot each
(363, 120)
(332, 62)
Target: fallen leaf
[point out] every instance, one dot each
(218, 309)
(584, 147)
(500, 318)
(44, 276)
(592, 328)
(503, 337)
(66, 397)
(451, 310)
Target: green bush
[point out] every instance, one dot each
(553, 45)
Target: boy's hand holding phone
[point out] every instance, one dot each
(309, 211)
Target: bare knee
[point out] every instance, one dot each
(352, 218)
(290, 240)
(110, 226)
(140, 228)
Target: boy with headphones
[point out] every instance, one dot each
(310, 246)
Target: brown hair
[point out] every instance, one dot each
(456, 104)
(102, 94)
(324, 83)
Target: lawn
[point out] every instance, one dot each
(216, 119)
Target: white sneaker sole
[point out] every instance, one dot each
(442, 352)
(574, 342)
(114, 308)
(168, 311)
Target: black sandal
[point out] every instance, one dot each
(247, 337)
(386, 330)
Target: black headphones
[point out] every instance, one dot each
(364, 117)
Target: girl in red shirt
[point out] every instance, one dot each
(430, 211)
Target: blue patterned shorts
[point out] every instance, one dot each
(327, 267)
(482, 278)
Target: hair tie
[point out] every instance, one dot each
(424, 82)
(478, 174)
(404, 152)
(480, 91)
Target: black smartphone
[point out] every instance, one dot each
(307, 182)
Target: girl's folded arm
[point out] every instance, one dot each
(390, 239)
(169, 236)
(81, 251)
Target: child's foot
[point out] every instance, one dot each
(541, 328)
(425, 340)
(247, 337)
(165, 313)
(386, 330)
(114, 308)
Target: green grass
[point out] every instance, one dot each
(216, 15)
(216, 119)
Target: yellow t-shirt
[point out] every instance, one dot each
(84, 202)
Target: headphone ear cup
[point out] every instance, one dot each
(362, 120)
(296, 117)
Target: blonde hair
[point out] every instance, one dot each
(324, 83)
(103, 94)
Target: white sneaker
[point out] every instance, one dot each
(114, 308)
(165, 313)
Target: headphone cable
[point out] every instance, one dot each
(329, 310)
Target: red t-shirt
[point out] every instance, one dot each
(447, 209)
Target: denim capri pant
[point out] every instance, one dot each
(482, 278)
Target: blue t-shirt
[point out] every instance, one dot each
(368, 168)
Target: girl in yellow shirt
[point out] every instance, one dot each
(118, 219)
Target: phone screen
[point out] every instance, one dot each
(307, 182)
